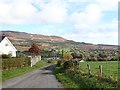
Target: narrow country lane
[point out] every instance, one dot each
(40, 78)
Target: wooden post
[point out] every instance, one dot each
(73, 66)
(79, 65)
(89, 71)
(100, 68)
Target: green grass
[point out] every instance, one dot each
(53, 61)
(64, 79)
(7, 74)
(0, 76)
(110, 68)
(73, 80)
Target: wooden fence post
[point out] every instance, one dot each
(89, 71)
(100, 69)
(79, 66)
(73, 66)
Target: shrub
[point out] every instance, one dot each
(49, 61)
(10, 63)
(59, 63)
(68, 64)
(67, 57)
(6, 56)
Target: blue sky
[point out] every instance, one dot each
(91, 21)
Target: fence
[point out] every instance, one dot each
(35, 59)
(99, 75)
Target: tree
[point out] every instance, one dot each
(74, 55)
(67, 57)
(34, 49)
(77, 55)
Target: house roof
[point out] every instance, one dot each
(2, 37)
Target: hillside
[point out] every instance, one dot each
(22, 41)
(21, 35)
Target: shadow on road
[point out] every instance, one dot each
(48, 69)
(51, 68)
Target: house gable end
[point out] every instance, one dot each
(9, 43)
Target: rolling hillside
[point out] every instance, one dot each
(22, 41)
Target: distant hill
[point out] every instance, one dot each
(22, 41)
(20, 35)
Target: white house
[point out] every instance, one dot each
(6, 47)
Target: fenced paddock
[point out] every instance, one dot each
(109, 68)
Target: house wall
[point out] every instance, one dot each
(6, 48)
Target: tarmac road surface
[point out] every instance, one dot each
(40, 78)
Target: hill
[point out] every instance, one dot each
(22, 41)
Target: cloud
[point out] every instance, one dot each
(107, 5)
(15, 12)
(86, 25)
(25, 11)
(91, 15)
(51, 11)
(100, 33)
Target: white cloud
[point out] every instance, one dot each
(99, 33)
(53, 12)
(78, 1)
(107, 5)
(20, 11)
(15, 12)
(95, 38)
(88, 25)
(91, 15)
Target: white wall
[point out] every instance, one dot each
(35, 59)
(7, 48)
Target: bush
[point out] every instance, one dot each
(68, 64)
(10, 63)
(59, 63)
(67, 57)
(6, 56)
(49, 61)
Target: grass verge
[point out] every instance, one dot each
(7, 74)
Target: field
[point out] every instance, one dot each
(71, 78)
(110, 68)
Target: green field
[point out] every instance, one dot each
(72, 78)
(110, 68)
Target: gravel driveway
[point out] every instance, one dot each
(40, 78)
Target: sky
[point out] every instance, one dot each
(90, 21)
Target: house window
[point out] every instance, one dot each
(6, 44)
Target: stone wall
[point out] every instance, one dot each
(35, 59)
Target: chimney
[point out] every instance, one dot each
(3, 36)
